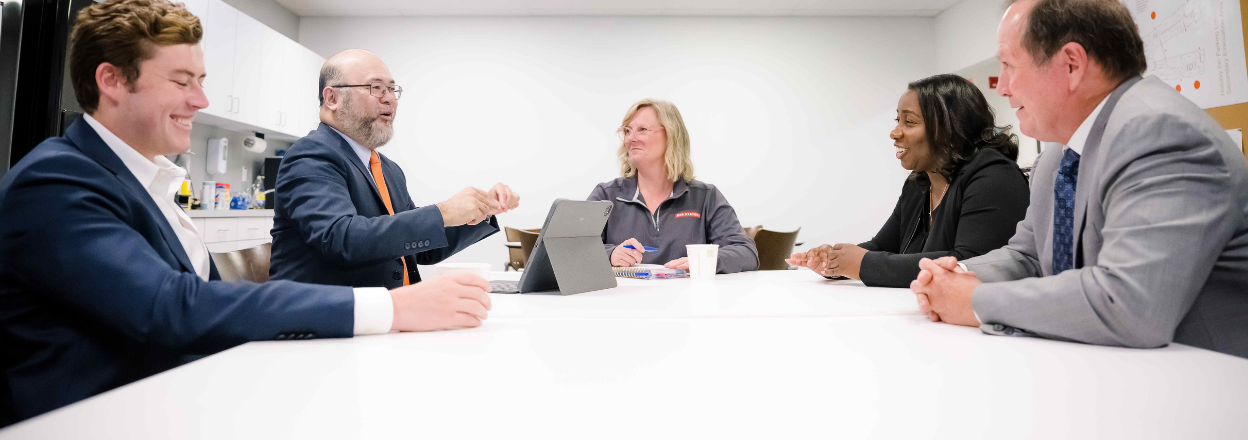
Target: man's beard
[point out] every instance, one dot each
(362, 128)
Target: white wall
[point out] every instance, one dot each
(966, 34)
(788, 116)
(236, 159)
(966, 44)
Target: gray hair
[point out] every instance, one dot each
(330, 74)
(1104, 28)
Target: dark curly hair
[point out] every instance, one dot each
(958, 122)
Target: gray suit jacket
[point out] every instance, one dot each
(1161, 218)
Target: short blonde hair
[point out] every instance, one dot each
(124, 33)
(676, 159)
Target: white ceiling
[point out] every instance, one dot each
(429, 8)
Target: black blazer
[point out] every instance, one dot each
(986, 199)
(96, 291)
(330, 226)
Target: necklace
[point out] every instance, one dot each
(934, 202)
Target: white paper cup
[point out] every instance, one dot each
(479, 269)
(703, 260)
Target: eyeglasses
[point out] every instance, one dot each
(624, 132)
(377, 89)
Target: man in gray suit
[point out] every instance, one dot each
(1137, 232)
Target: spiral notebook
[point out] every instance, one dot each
(649, 272)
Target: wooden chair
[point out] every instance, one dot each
(251, 264)
(516, 255)
(774, 247)
(752, 231)
(528, 239)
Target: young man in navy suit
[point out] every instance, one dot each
(343, 214)
(105, 280)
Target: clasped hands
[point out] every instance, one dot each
(943, 290)
(471, 205)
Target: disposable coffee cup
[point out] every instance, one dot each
(703, 260)
(479, 269)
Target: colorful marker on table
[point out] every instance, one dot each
(648, 248)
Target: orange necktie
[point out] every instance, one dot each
(374, 163)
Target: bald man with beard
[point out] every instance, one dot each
(343, 214)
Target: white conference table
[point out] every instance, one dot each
(776, 374)
(778, 293)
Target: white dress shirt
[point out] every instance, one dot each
(162, 179)
(374, 310)
(364, 153)
(1080, 137)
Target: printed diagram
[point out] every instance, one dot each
(1184, 24)
(1195, 46)
(1188, 65)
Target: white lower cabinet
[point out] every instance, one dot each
(226, 234)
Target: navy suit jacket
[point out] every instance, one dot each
(96, 291)
(330, 226)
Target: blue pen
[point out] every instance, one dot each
(648, 248)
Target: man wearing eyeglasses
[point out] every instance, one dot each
(343, 215)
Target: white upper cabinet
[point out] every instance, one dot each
(308, 95)
(220, 22)
(258, 79)
(250, 75)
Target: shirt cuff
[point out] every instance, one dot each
(374, 311)
(973, 312)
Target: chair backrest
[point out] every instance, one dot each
(774, 247)
(515, 259)
(752, 231)
(528, 239)
(251, 264)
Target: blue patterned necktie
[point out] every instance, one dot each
(1064, 212)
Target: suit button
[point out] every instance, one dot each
(407, 246)
(398, 275)
(1009, 332)
(420, 244)
(311, 335)
(281, 337)
(998, 327)
(426, 243)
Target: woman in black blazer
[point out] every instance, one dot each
(964, 196)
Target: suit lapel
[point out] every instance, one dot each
(349, 154)
(90, 143)
(1088, 162)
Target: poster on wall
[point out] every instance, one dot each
(1196, 46)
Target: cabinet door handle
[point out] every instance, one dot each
(237, 105)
